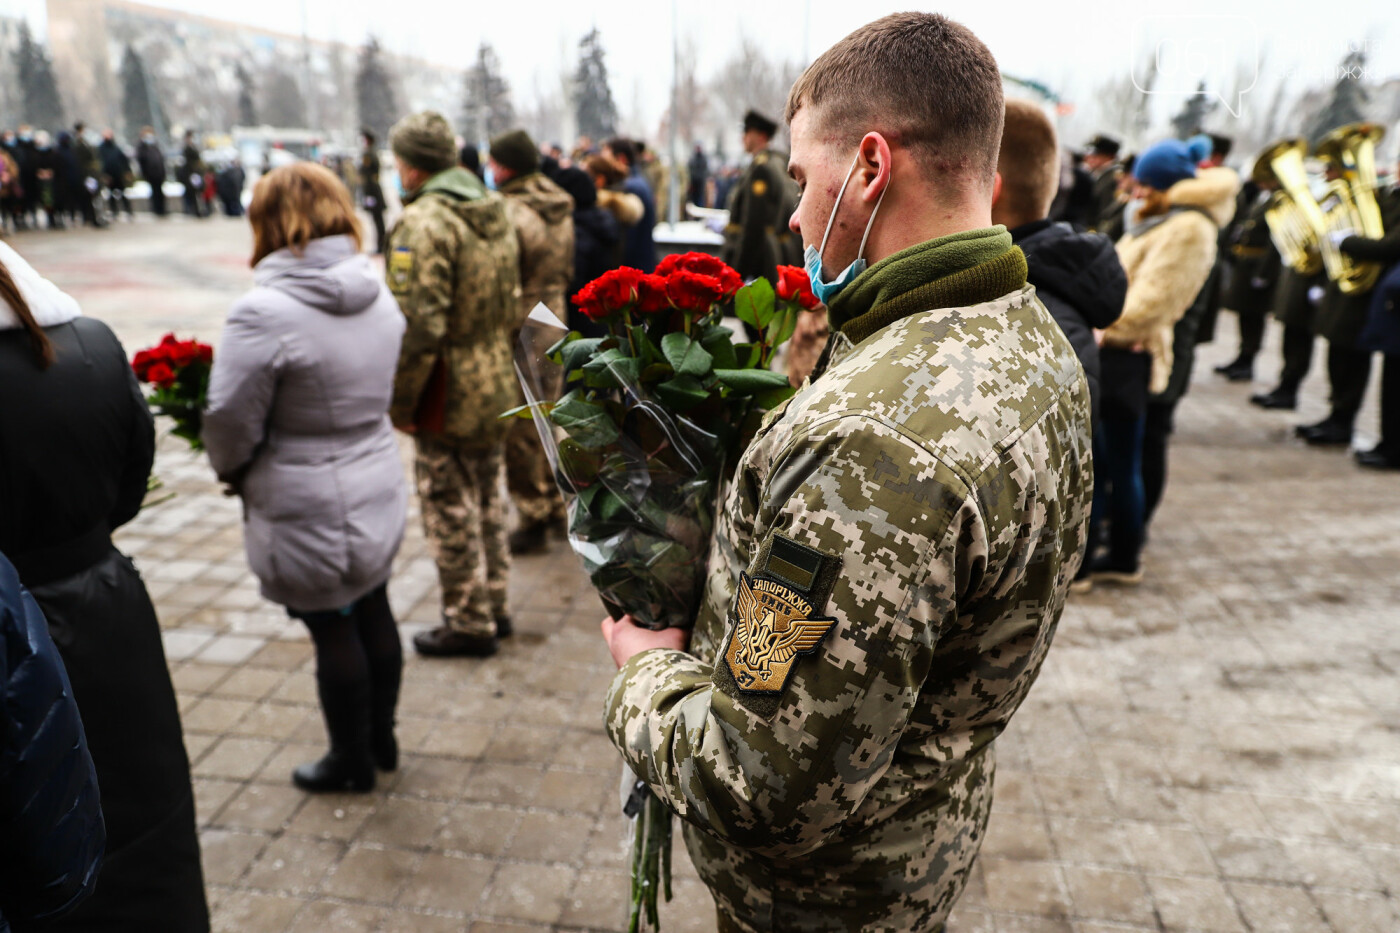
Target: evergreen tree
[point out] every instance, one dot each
(1349, 98)
(374, 91)
(283, 103)
(597, 114)
(1194, 113)
(39, 100)
(247, 112)
(487, 110)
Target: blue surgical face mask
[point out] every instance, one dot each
(825, 291)
(489, 177)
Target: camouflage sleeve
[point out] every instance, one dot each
(780, 772)
(421, 273)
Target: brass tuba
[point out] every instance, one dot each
(1293, 215)
(1350, 204)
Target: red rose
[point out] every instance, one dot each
(206, 352)
(168, 340)
(652, 292)
(141, 362)
(692, 292)
(160, 374)
(703, 264)
(183, 353)
(793, 285)
(588, 305)
(617, 290)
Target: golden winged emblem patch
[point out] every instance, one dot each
(773, 626)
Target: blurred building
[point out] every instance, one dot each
(198, 69)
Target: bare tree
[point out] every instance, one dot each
(750, 80)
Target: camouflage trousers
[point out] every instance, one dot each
(530, 478)
(464, 520)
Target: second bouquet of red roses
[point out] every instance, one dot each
(178, 373)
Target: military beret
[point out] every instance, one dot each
(1103, 145)
(516, 151)
(425, 141)
(753, 120)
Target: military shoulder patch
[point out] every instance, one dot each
(400, 268)
(760, 188)
(775, 620)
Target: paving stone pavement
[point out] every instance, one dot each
(1215, 751)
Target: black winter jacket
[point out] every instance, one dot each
(50, 817)
(1081, 282)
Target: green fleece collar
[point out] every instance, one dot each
(953, 271)
(456, 182)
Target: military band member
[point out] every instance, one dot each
(895, 549)
(1255, 267)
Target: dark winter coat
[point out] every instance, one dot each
(116, 167)
(50, 816)
(152, 163)
(639, 249)
(76, 445)
(1080, 281)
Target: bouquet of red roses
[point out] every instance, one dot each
(642, 426)
(178, 372)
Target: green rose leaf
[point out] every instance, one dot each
(576, 352)
(613, 368)
(682, 393)
(754, 303)
(586, 422)
(772, 398)
(718, 342)
(686, 357)
(750, 381)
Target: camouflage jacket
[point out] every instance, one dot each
(893, 556)
(543, 216)
(454, 267)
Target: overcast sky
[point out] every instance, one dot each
(1071, 46)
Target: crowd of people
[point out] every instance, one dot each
(78, 177)
(945, 472)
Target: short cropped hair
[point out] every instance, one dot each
(921, 79)
(1029, 162)
(296, 204)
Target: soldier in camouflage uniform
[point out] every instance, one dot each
(542, 214)
(757, 239)
(454, 267)
(895, 549)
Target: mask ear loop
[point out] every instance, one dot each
(870, 225)
(821, 250)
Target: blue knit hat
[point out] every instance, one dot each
(1170, 161)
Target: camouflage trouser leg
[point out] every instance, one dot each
(529, 476)
(464, 522)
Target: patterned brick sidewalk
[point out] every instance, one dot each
(1214, 751)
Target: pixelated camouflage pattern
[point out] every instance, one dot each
(946, 462)
(464, 520)
(543, 216)
(454, 267)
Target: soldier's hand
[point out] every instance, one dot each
(625, 639)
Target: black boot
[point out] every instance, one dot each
(1284, 398)
(347, 766)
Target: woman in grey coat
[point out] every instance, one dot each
(297, 423)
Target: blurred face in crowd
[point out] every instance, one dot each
(412, 178)
(754, 141)
(1096, 160)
